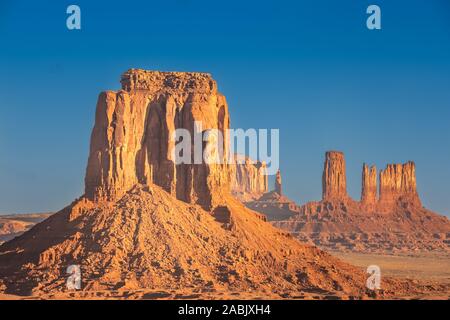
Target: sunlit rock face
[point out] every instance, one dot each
(131, 141)
(334, 183)
(369, 196)
(249, 179)
(398, 184)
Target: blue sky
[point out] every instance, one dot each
(310, 68)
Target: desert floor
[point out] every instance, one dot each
(420, 266)
(428, 267)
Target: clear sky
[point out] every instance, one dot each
(310, 68)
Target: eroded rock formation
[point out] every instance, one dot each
(274, 205)
(369, 186)
(278, 188)
(398, 184)
(394, 221)
(249, 179)
(334, 184)
(132, 137)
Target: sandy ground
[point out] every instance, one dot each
(421, 266)
(429, 267)
(180, 294)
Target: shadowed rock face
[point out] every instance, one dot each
(131, 141)
(334, 184)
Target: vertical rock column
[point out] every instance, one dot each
(248, 177)
(334, 185)
(369, 185)
(278, 183)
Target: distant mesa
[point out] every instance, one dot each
(397, 185)
(249, 180)
(390, 219)
(274, 205)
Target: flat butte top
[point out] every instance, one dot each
(191, 82)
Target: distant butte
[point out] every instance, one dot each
(390, 220)
(274, 205)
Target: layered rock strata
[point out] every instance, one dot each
(398, 184)
(369, 195)
(132, 140)
(249, 179)
(274, 205)
(391, 222)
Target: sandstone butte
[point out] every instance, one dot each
(274, 205)
(390, 218)
(145, 223)
(249, 179)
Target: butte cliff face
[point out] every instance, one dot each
(369, 196)
(132, 140)
(14, 225)
(249, 179)
(394, 220)
(145, 223)
(334, 182)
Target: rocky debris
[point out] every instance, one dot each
(145, 222)
(148, 239)
(394, 222)
(249, 180)
(334, 184)
(131, 141)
